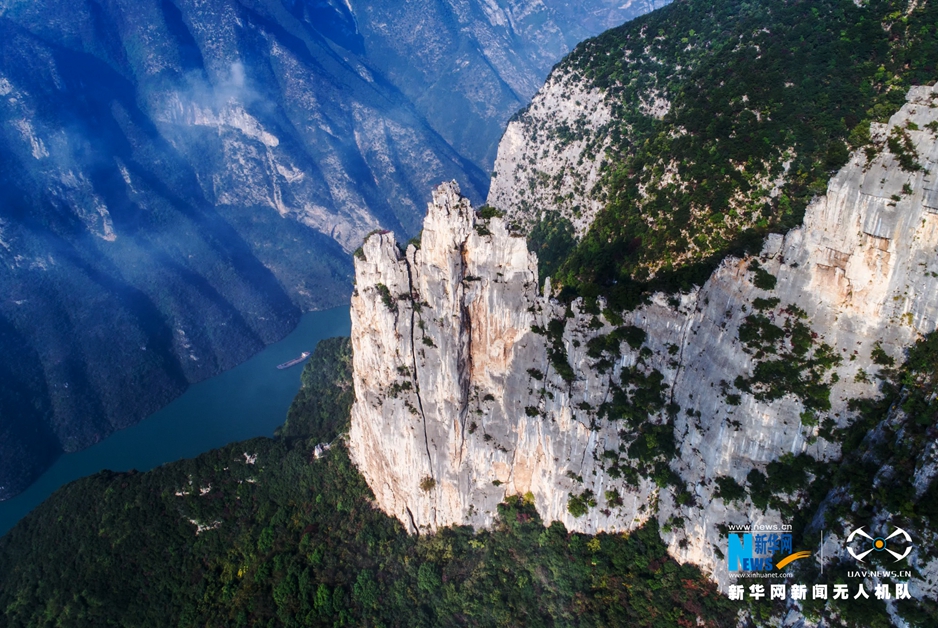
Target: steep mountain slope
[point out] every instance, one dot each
(472, 387)
(742, 392)
(468, 66)
(179, 180)
(680, 143)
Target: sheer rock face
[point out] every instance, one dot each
(458, 405)
(442, 427)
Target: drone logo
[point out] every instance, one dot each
(879, 544)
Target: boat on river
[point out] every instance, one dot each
(294, 361)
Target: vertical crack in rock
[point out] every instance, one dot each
(466, 365)
(414, 294)
(413, 522)
(682, 345)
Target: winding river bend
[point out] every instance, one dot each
(247, 401)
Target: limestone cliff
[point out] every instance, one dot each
(463, 396)
(453, 408)
(863, 270)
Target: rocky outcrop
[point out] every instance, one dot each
(448, 370)
(472, 385)
(558, 142)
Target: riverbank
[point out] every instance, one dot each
(247, 401)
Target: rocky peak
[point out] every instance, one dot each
(425, 333)
(472, 386)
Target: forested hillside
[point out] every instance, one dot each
(283, 533)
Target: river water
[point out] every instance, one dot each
(247, 401)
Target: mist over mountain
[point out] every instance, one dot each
(180, 180)
(681, 369)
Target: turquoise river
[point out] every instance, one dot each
(247, 401)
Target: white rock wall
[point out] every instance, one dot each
(863, 267)
(462, 420)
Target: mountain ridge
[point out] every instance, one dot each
(181, 180)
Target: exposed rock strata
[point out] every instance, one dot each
(451, 415)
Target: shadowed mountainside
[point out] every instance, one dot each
(180, 180)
